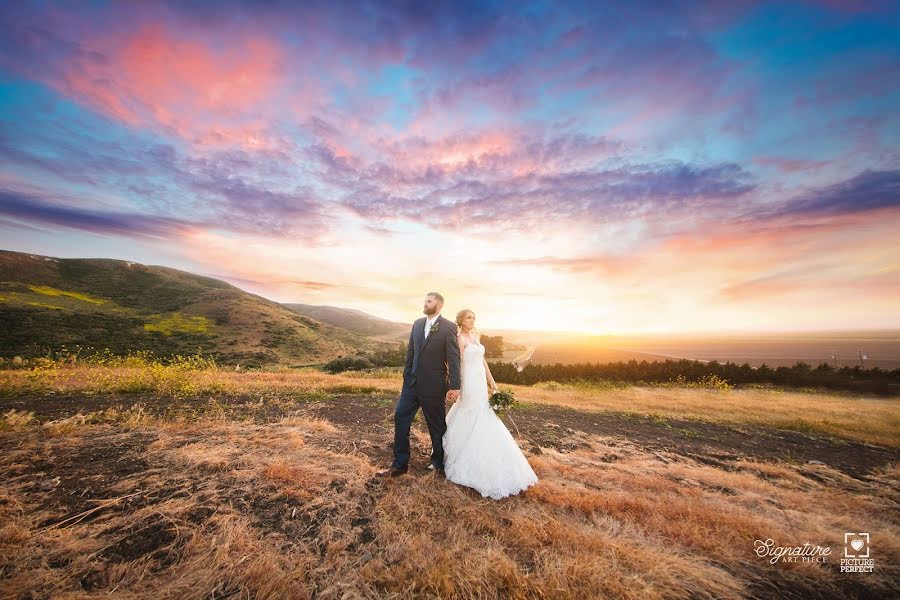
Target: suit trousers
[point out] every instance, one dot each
(435, 410)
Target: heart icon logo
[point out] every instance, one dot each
(856, 544)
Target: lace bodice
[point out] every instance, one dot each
(472, 364)
(473, 343)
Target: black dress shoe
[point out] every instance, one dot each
(392, 471)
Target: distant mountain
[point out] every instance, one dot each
(353, 320)
(47, 302)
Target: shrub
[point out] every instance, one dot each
(348, 363)
(710, 382)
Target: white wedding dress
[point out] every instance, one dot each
(479, 451)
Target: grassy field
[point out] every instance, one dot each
(141, 480)
(874, 420)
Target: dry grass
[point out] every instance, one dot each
(872, 420)
(126, 503)
(293, 510)
(166, 381)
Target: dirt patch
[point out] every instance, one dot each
(707, 442)
(149, 537)
(368, 413)
(70, 478)
(238, 407)
(719, 445)
(59, 406)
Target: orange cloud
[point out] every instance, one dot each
(847, 260)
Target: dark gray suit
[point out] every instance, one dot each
(431, 370)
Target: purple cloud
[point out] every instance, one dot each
(868, 191)
(19, 205)
(228, 189)
(234, 201)
(539, 201)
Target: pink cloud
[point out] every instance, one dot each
(809, 285)
(157, 77)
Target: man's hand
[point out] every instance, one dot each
(453, 395)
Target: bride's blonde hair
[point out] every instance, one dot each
(460, 316)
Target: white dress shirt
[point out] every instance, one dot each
(429, 322)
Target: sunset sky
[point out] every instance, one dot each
(634, 167)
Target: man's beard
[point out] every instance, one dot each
(429, 312)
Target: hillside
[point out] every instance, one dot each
(353, 320)
(48, 302)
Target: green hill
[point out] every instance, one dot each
(353, 320)
(48, 302)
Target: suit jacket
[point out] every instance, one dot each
(432, 365)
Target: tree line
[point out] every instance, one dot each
(857, 379)
(801, 375)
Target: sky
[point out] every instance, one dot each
(605, 168)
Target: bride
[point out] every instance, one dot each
(479, 450)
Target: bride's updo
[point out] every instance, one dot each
(462, 315)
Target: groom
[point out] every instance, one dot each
(430, 377)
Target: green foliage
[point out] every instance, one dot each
(549, 385)
(348, 319)
(493, 346)
(31, 331)
(176, 323)
(46, 303)
(709, 382)
(136, 372)
(501, 401)
(377, 373)
(582, 384)
(709, 375)
(347, 363)
(66, 356)
(51, 291)
(176, 378)
(389, 357)
(394, 357)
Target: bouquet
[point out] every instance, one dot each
(501, 401)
